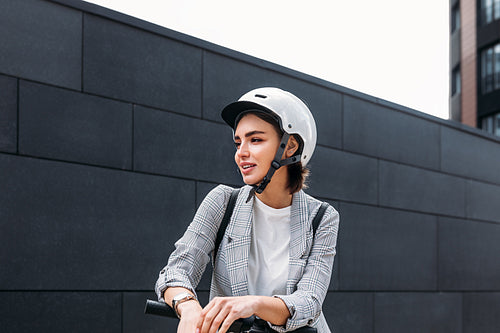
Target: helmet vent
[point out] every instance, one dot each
(260, 96)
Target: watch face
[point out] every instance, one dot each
(180, 298)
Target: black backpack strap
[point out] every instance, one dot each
(225, 220)
(319, 217)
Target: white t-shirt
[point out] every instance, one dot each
(269, 250)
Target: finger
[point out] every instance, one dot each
(219, 320)
(227, 323)
(208, 318)
(203, 315)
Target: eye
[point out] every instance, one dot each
(237, 144)
(256, 140)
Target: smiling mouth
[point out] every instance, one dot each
(248, 166)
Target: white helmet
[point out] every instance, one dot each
(293, 115)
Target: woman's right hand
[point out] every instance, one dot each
(190, 315)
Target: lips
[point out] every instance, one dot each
(247, 167)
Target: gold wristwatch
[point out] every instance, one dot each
(181, 298)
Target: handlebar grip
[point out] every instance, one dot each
(159, 309)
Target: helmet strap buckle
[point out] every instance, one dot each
(276, 163)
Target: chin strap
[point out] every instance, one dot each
(275, 165)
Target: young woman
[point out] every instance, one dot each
(268, 264)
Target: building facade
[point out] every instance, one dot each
(475, 63)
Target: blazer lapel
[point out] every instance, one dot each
(299, 233)
(299, 225)
(239, 233)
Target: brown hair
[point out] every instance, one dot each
(297, 174)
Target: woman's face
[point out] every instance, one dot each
(256, 144)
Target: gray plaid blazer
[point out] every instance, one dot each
(311, 263)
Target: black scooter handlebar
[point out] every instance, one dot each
(159, 309)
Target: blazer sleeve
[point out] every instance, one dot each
(192, 251)
(305, 303)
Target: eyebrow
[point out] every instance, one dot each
(250, 134)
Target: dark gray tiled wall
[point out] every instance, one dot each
(384, 249)
(483, 201)
(349, 312)
(481, 312)
(66, 125)
(8, 114)
(61, 312)
(378, 131)
(339, 175)
(421, 190)
(76, 227)
(470, 155)
(418, 312)
(239, 77)
(41, 41)
(136, 66)
(468, 255)
(181, 146)
(73, 219)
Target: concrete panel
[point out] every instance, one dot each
(61, 312)
(226, 79)
(180, 146)
(41, 41)
(71, 126)
(481, 312)
(468, 255)
(136, 66)
(343, 176)
(421, 190)
(86, 228)
(372, 129)
(8, 114)
(383, 249)
(483, 201)
(418, 312)
(349, 312)
(471, 156)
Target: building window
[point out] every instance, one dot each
(491, 124)
(455, 18)
(456, 84)
(490, 10)
(490, 69)
(497, 66)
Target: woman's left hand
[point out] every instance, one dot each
(221, 312)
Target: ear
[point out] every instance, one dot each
(291, 147)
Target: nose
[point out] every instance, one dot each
(242, 151)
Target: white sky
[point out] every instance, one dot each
(397, 50)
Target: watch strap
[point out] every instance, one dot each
(181, 298)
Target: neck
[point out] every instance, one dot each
(276, 194)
